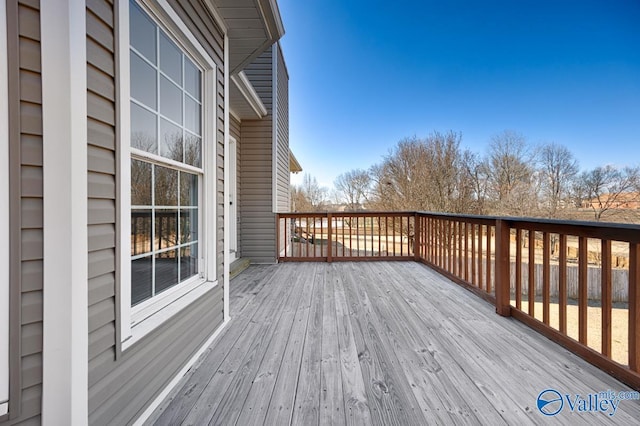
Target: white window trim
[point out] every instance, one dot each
(138, 321)
(4, 214)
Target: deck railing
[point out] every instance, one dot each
(578, 283)
(346, 236)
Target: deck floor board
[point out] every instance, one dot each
(375, 343)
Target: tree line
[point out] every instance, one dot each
(512, 178)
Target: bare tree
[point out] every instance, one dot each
(423, 174)
(475, 174)
(511, 162)
(308, 197)
(558, 169)
(353, 188)
(603, 188)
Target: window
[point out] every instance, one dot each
(165, 185)
(166, 160)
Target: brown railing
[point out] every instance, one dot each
(577, 283)
(346, 236)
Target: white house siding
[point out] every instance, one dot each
(25, 209)
(123, 384)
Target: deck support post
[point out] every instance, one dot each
(502, 282)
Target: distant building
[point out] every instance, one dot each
(627, 200)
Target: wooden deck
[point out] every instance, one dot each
(384, 343)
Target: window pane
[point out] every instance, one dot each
(166, 228)
(143, 129)
(188, 190)
(191, 79)
(166, 186)
(170, 59)
(143, 82)
(193, 151)
(188, 225)
(142, 32)
(140, 183)
(166, 270)
(192, 115)
(170, 140)
(140, 231)
(188, 261)
(140, 280)
(170, 100)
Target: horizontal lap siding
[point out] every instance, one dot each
(258, 237)
(282, 141)
(282, 103)
(26, 234)
(122, 385)
(101, 181)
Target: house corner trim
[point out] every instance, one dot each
(65, 308)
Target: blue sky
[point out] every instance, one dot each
(366, 74)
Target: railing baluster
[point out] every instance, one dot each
(546, 277)
(519, 268)
(532, 273)
(379, 237)
(329, 238)
(473, 254)
(562, 284)
(466, 251)
(358, 235)
(480, 274)
(582, 289)
(605, 247)
(488, 275)
(452, 243)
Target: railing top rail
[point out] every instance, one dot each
(519, 219)
(348, 213)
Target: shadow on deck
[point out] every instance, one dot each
(376, 343)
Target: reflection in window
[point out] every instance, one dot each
(166, 106)
(166, 117)
(164, 234)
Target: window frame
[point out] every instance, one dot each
(4, 215)
(137, 321)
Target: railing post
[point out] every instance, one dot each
(502, 269)
(329, 238)
(634, 307)
(278, 236)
